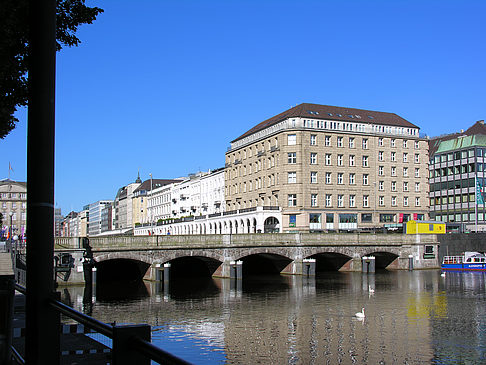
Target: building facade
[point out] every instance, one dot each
(330, 168)
(13, 200)
(457, 177)
(95, 216)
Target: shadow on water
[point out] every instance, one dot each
(183, 288)
(124, 290)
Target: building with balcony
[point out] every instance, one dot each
(457, 177)
(330, 168)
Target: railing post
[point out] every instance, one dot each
(123, 351)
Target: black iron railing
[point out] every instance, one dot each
(131, 343)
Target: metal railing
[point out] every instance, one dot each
(131, 343)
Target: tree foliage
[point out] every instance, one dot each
(14, 49)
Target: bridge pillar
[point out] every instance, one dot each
(305, 267)
(368, 264)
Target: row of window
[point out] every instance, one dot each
(351, 141)
(365, 217)
(460, 217)
(292, 179)
(23, 216)
(292, 158)
(451, 199)
(455, 184)
(14, 205)
(328, 201)
(459, 155)
(14, 195)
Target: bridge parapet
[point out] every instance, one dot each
(247, 240)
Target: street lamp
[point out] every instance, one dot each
(151, 210)
(10, 232)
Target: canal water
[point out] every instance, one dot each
(411, 317)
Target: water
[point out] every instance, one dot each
(413, 317)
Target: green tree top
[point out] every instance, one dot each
(14, 49)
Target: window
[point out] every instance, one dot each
(313, 200)
(381, 170)
(328, 159)
(313, 177)
(417, 172)
(366, 199)
(366, 217)
(393, 186)
(405, 171)
(417, 187)
(328, 178)
(351, 160)
(14, 205)
(292, 157)
(291, 139)
(381, 185)
(292, 199)
(405, 186)
(387, 218)
(393, 156)
(352, 201)
(365, 143)
(340, 141)
(417, 202)
(417, 158)
(4, 205)
(380, 141)
(404, 143)
(394, 201)
(405, 157)
(328, 200)
(380, 156)
(313, 139)
(340, 160)
(352, 179)
(313, 158)
(340, 201)
(365, 161)
(351, 142)
(393, 171)
(327, 141)
(381, 200)
(392, 142)
(417, 145)
(365, 179)
(292, 177)
(340, 178)
(405, 201)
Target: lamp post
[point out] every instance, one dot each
(10, 232)
(151, 208)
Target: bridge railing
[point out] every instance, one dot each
(244, 240)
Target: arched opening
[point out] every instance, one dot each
(271, 225)
(329, 261)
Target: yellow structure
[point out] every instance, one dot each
(421, 227)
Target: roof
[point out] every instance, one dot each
(461, 142)
(8, 181)
(435, 143)
(327, 112)
(156, 183)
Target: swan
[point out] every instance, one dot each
(371, 290)
(360, 314)
(443, 274)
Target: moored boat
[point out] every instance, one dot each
(468, 261)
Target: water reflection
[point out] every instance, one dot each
(411, 317)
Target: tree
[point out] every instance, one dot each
(14, 49)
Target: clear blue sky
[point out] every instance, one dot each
(164, 86)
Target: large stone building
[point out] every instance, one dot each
(457, 168)
(13, 200)
(330, 168)
(123, 209)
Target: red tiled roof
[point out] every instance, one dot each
(316, 111)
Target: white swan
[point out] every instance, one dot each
(371, 290)
(360, 314)
(443, 274)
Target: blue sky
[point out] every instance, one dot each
(164, 86)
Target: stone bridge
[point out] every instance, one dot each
(219, 255)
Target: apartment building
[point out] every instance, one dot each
(457, 177)
(330, 168)
(13, 200)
